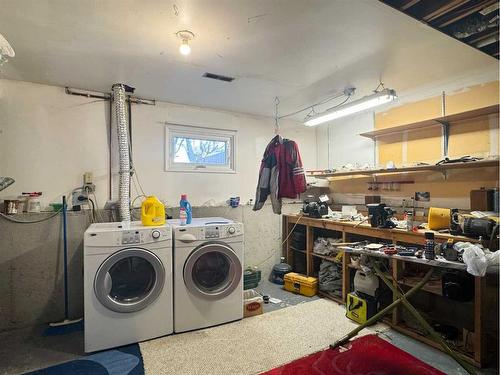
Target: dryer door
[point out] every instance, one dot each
(129, 280)
(212, 271)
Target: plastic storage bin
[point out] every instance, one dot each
(251, 278)
(252, 303)
(302, 284)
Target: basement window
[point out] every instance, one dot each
(199, 149)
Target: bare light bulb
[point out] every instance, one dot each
(184, 48)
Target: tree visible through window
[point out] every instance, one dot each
(200, 151)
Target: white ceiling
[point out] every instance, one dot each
(299, 50)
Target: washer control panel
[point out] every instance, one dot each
(120, 234)
(144, 236)
(222, 230)
(212, 232)
(131, 237)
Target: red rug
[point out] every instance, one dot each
(368, 355)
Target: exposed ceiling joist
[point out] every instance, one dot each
(444, 9)
(466, 12)
(483, 36)
(487, 41)
(473, 22)
(408, 4)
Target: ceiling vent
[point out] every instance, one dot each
(218, 77)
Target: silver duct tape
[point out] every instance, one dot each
(119, 102)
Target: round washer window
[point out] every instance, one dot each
(132, 279)
(211, 271)
(129, 280)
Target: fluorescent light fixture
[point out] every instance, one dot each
(370, 101)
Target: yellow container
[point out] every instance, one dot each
(439, 218)
(152, 212)
(302, 284)
(360, 309)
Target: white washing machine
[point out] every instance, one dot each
(208, 273)
(127, 284)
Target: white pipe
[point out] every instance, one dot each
(119, 102)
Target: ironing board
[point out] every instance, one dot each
(402, 298)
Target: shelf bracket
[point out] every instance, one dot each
(446, 136)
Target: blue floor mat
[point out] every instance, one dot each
(126, 360)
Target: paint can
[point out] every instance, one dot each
(11, 207)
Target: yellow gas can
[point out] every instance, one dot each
(360, 309)
(297, 283)
(439, 218)
(152, 211)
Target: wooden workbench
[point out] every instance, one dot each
(348, 231)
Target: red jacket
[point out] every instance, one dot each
(281, 174)
(292, 181)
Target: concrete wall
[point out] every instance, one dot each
(31, 260)
(48, 139)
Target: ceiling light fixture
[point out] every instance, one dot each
(185, 36)
(369, 101)
(6, 50)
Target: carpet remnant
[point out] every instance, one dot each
(251, 345)
(126, 360)
(366, 355)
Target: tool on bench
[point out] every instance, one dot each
(316, 209)
(363, 303)
(380, 215)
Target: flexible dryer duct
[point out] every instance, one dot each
(119, 102)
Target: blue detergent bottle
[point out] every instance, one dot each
(187, 206)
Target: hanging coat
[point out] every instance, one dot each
(268, 177)
(281, 174)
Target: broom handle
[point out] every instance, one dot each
(65, 247)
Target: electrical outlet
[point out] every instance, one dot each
(88, 178)
(79, 197)
(90, 188)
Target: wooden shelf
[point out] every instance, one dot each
(433, 286)
(298, 250)
(418, 168)
(328, 258)
(348, 229)
(468, 115)
(331, 296)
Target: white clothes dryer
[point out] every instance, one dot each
(127, 284)
(208, 273)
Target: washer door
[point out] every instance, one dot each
(129, 280)
(212, 271)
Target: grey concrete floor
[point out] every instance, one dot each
(26, 349)
(277, 291)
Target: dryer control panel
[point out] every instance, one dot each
(117, 234)
(144, 236)
(208, 232)
(222, 230)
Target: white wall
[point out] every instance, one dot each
(346, 145)
(48, 139)
(339, 142)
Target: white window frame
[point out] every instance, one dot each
(182, 130)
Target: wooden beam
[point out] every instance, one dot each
(408, 4)
(465, 12)
(482, 37)
(444, 9)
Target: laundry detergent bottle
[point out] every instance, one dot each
(152, 211)
(184, 204)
